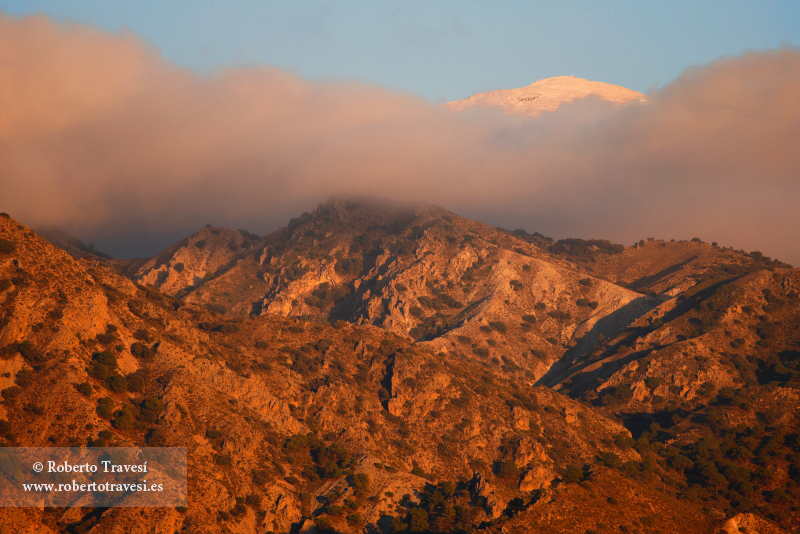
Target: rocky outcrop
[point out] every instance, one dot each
(483, 490)
(749, 524)
(537, 477)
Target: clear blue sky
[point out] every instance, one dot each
(449, 49)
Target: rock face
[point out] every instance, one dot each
(538, 477)
(547, 95)
(192, 261)
(749, 523)
(415, 270)
(485, 491)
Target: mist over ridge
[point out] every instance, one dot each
(100, 136)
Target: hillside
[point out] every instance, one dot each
(71, 244)
(547, 95)
(399, 368)
(418, 271)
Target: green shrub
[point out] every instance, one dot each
(153, 404)
(559, 315)
(124, 419)
(426, 301)
(98, 370)
(31, 354)
(361, 482)
(624, 441)
(529, 319)
(323, 524)
(573, 475)
(418, 520)
(617, 394)
(506, 469)
(260, 477)
(106, 358)
(11, 392)
(142, 335)
(498, 326)
(253, 500)
(324, 295)
(105, 407)
(585, 248)
(140, 350)
(610, 459)
(323, 344)
(6, 246)
(85, 388)
(136, 381)
(117, 383)
(223, 460)
(355, 520)
(653, 381)
(24, 378)
(353, 265)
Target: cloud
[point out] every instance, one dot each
(99, 135)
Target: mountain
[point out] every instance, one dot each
(384, 367)
(189, 262)
(547, 95)
(71, 244)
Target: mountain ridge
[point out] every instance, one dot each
(655, 384)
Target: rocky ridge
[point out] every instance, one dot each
(371, 369)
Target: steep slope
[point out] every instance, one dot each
(93, 359)
(190, 262)
(715, 372)
(296, 425)
(69, 243)
(419, 271)
(517, 301)
(547, 95)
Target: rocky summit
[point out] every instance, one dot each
(384, 367)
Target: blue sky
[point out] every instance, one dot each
(449, 49)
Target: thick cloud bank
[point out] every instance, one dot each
(102, 137)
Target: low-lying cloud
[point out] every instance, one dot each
(99, 135)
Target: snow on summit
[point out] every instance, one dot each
(547, 95)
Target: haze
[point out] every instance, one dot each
(102, 137)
